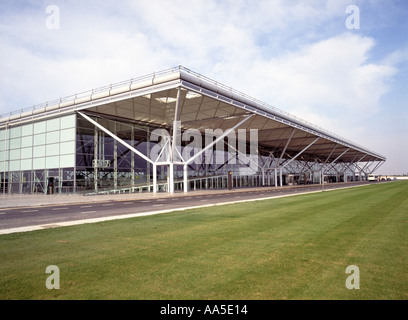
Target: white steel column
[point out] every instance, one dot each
(115, 158)
(154, 178)
(148, 173)
(132, 158)
(263, 176)
(171, 177)
(176, 122)
(96, 158)
(185, 177)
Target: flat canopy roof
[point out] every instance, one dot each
(204, 104)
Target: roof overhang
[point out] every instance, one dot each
(204, 104)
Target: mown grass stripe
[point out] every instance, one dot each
(287, 248)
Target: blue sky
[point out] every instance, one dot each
(296, 55)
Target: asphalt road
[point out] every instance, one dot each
(47, 215)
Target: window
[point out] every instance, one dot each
(53, 137)
(68, 121)
(67, 161)
(15, 154)
(39, 151)
(26, 153)
(27, 130)
(39, 127)
(14, 165)
(15, 143)
(67, 135)
(52, 149)
(67, 147)
(38, 163)
(26, 141)
(15, 132)
(52, 162)
(26, 164)
(53, 124)
(39, 139)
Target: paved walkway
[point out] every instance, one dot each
(27, 200)
(18, 200)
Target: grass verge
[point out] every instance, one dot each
(288, 248)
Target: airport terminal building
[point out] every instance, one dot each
(173, 130)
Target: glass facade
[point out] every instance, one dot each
(70, 154)
(38, 157)
(103, 164)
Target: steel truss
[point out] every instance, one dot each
(271, 169)
(297, 149)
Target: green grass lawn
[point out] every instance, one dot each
(289, 248)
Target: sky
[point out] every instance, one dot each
(339, 64)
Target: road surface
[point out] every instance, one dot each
(15, 219)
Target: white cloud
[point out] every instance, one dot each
(329, 77)
(230, 41)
